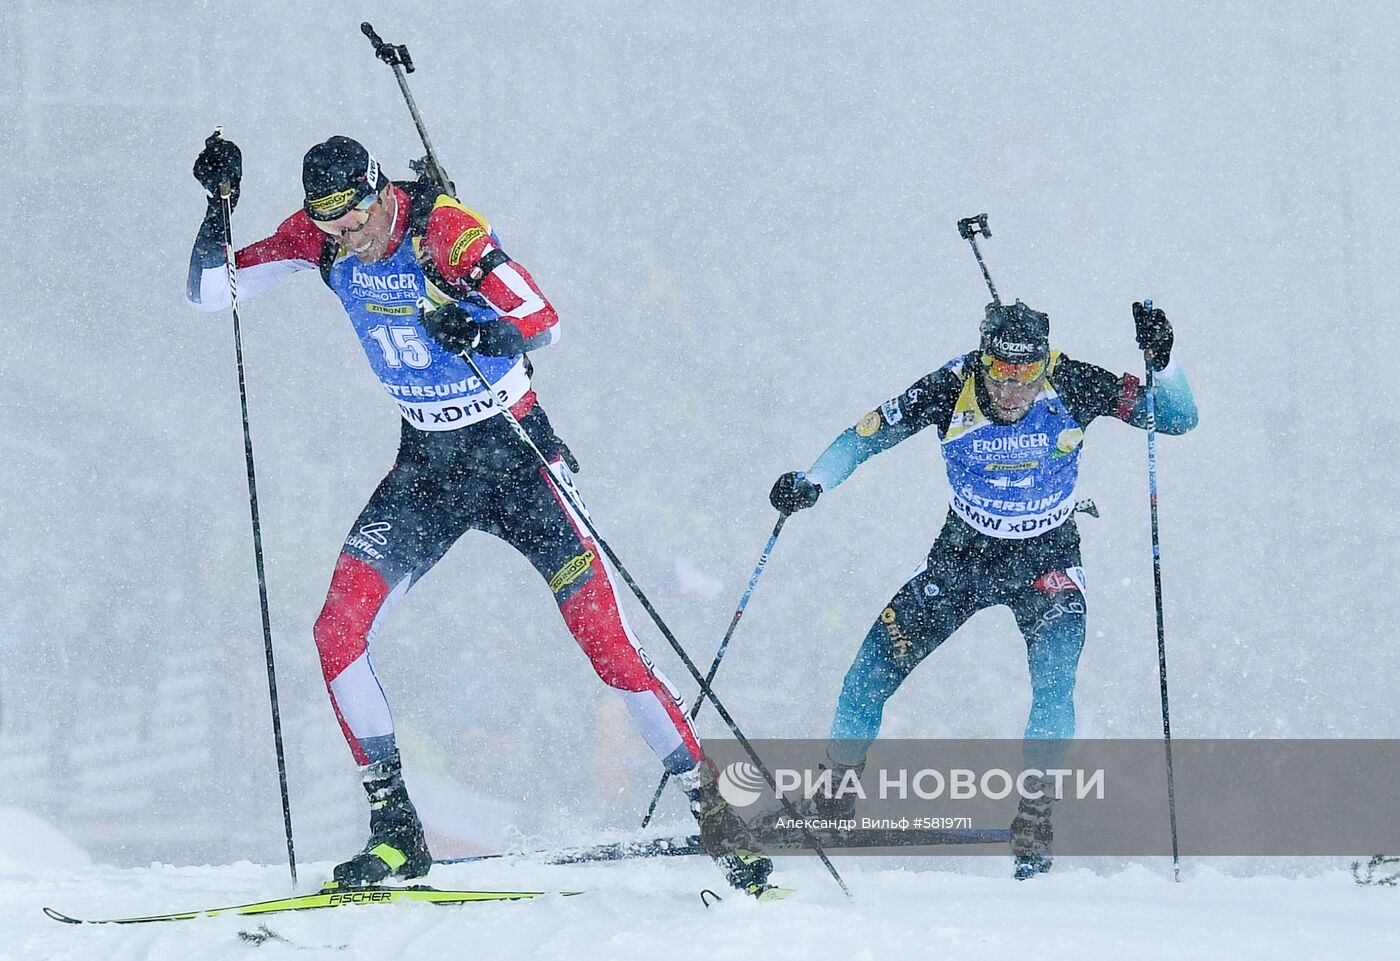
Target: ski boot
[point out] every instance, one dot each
(837, 806)
(396, 848)
(724, 836)
(1031, 832)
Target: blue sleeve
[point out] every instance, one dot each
(928, 402)
(1176, 407)
(847, 452)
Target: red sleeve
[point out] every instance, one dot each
(295, 246)
(296, 239)
(1127, 397)
(457, 238)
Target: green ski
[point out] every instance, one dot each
(329, 897)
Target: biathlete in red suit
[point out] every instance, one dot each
(423, 279)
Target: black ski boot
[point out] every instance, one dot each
(724, 836)
(396, 848)
(1031, 833)
(837, 806)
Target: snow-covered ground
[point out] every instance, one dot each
(650, 909)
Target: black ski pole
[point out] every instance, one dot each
(719, 654)
(396, 56)
(567, 492)
(225, 194)
(1151, 394)
(968, 229)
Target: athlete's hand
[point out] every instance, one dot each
(453, 328)
(1154, 333)
(794, 492)
(219, 162)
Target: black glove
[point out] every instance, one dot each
(453, 328)
(220, 161)
(794, 492)
(1154, 333)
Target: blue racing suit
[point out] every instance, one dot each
(1009, 539)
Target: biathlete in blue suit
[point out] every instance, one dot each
(1011, 417)
(423, 281)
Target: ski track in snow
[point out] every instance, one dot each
(651, 909)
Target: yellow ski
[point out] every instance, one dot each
(331, 896)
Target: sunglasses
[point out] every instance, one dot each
(1005, 372)
(354, 217)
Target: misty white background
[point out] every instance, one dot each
(746, 220)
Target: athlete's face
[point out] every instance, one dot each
(365, 232)
(1010, 398)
